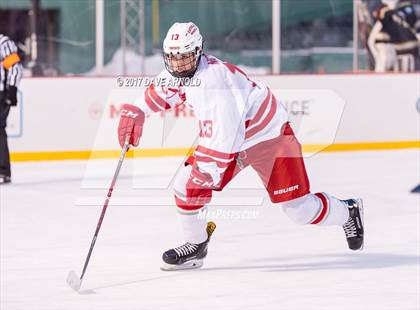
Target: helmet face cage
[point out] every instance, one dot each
(182, 65)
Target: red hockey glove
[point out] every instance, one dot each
(131, 123)
(199, 187)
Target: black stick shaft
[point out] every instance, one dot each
(108, 197)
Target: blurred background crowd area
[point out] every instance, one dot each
(59, 37)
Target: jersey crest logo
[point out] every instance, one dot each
(206, 128)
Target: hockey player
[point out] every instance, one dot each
(393, 40)
(379, 41)
(10, 75)
(408, 45)
(241, 124)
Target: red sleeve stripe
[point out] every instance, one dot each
(214, 153)
(150, 103)
(207, 159)
(324, 209)
(157, 99)
(260, 111)
(202, 155)
(254, 130)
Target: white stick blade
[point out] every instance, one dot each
(74, 281)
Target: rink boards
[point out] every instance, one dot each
(77, 118)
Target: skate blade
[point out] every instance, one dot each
(192, 264)
(362, 216)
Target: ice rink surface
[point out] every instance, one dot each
(49, 213)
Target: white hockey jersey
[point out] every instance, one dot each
(234, 112)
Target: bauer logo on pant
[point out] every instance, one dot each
(286, 190)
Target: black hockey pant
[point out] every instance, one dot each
(4, 148)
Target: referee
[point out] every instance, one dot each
(10, 75)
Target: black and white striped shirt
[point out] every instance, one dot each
(12, 75)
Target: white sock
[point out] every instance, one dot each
(193, 226)
(319, 209)
(335, 211)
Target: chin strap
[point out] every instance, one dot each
(184, 74)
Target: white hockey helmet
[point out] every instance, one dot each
(182, 49)
(392, 4)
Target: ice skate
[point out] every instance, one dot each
(4, 179)
(189, 255)
(353, 228)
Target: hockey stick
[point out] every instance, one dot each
(72, 279)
